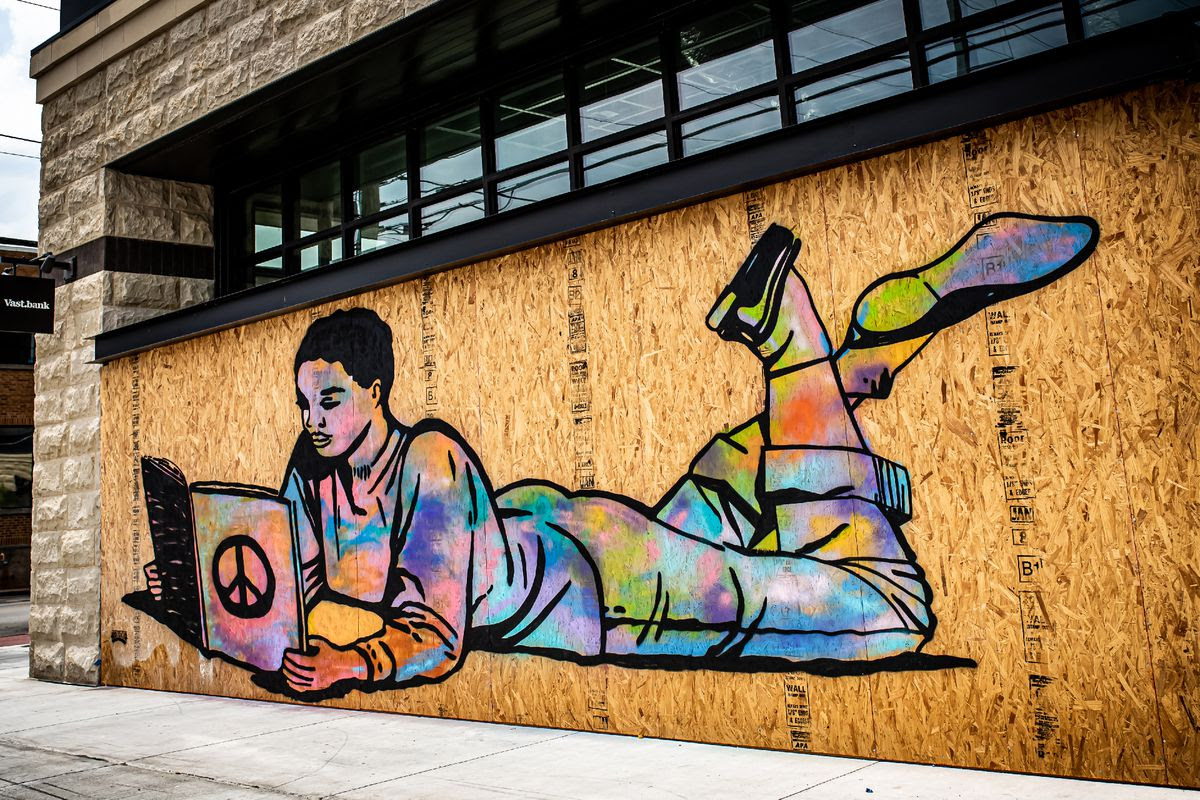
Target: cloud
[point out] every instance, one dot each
(22, 27)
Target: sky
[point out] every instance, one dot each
(23, 26)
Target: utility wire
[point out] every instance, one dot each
(39, 5)
(20, 138)
(19, 155)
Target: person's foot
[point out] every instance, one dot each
(767, 305)
(1016, 255)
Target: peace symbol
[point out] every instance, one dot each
(242, 577)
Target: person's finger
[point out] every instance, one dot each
(300, 663)
(296, 678)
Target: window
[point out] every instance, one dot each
(685, 84)
(621, 91)
(16, 468)
(16, 348)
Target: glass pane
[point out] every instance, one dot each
(319, 200)
(938, 12)
(731, 125)
(264, 219)
(853, 88)
(725, 53)
(16, 348)
(625, 158)
(449, 213)
(533, 186)
(323, 252)
(531, 123)
(820, 41)
(381, 234)
(450, 152)
(1102, 16)
(621, 92)
(16, 467)
(382, 180)
(1005, 41)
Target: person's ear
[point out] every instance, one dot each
(376, 391)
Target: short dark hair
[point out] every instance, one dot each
(359, 340)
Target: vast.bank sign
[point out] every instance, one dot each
(26, 304)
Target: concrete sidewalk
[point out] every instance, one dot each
(101, 743)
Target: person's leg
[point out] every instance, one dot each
(1003, 256)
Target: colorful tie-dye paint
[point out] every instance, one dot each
(781, 546)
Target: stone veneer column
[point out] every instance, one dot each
(64, 614)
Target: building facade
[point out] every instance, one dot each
(541, 202)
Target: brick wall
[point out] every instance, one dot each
(16, 397)
(15, 529)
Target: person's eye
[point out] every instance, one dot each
(329, 403)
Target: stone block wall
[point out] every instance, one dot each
(64, 621)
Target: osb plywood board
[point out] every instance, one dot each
(1050, 439)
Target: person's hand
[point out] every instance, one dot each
(322, 666)
(153, 580)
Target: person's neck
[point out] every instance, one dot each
(375, 438)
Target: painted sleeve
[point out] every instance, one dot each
(443, 509)
(299, 493)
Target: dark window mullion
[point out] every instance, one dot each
(668, 43)
(349, 179)
(1074, 20)
(916, 51)
(573, 86)
(413, 143)
(489, 110)
(291, 231)
(780, 24)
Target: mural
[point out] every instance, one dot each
(386, 555)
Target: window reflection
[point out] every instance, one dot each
(938, 12)
(381, 234)
(621, 92)
(531, 123)
(731, 125)
(1016, 38)
(1102, 16)
(853, 88)
(264, 219)
(16, 467)
(382, 178)
(458, 210)
(725, 53)
(533, 186)
(621, 159)
(319, 199)
(820, 41)
(324, 252)
(450, 152)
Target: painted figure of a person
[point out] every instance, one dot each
(783, 540)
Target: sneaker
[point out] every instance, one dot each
(746, 311)
(1003, 256)
(768, 308)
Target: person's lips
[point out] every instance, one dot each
(320, 440)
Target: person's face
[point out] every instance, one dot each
(333, 407)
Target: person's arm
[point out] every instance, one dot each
(445, 510)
